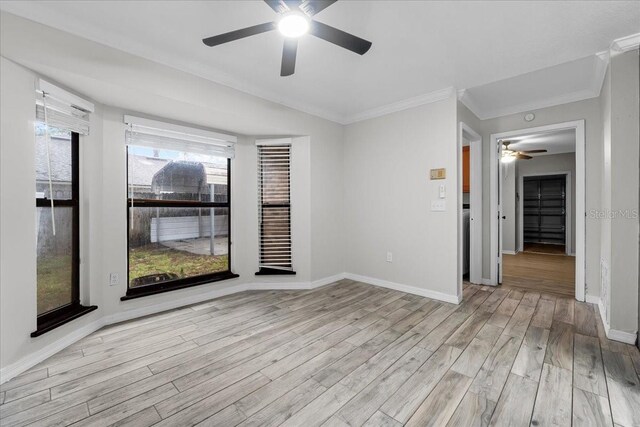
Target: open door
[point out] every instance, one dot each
(500, 216)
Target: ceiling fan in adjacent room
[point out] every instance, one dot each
(509, 155)
(295, 20)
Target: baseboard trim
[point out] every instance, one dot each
(510, 252)
(614, 334)
(177, 303)
(328, 280)
(27, 362)
(592, 299)
(44, 353)
(625, 337)
(405, 288)
(487, 282)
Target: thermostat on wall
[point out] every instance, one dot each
(438, 173)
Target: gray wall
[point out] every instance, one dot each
(620, 182)
(388, 196)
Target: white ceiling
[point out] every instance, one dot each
(418, 47)
(557, 142)
(568, 82)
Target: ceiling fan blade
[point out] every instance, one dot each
(339, 37)
(278, 6)
(311, 7)
(520, 156)
(289, 52)
(239, 34)
(533, 151)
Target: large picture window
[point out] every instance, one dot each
(179, 225)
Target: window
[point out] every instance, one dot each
(179, 223)
(274, 198)
(57, 130)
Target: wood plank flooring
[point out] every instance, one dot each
(348, 354)
(542, 273)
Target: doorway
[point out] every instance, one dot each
(469, 206)
(537, 200)
(544, 261)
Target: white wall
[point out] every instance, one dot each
(589, 110)
(620, 183)
(388, 196)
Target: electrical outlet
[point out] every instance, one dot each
(114, 279)
(389, 257)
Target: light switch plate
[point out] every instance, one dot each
(438, 205)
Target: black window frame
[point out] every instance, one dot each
(59, 316)
(187, 282)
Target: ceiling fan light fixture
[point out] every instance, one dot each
(293, 25)
(508, 159)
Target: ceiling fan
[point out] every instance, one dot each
(295, 20)
(509, 155)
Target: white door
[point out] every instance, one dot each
(500, 217)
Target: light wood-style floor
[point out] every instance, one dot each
(536, 272)
(346, 354)
(543, 248)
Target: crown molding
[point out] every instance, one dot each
(537, 105)
(465, 97)
(405, 104)
(599, 72)
(625, 44)
(592, 91)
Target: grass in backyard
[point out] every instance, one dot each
(158, 259)
(54, 282)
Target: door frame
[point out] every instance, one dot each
(475, 218)
(568, 212)
(496, 263)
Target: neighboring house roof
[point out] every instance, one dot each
(60, 154)
(143, 168)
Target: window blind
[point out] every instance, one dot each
(64, 110)
(274, 198)
(167, 136)
(57, 108)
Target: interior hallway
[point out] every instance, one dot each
(537, 272)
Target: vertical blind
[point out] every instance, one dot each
(274, 199)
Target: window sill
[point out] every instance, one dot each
(167, 287)
(51, 322)
(275, 272)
